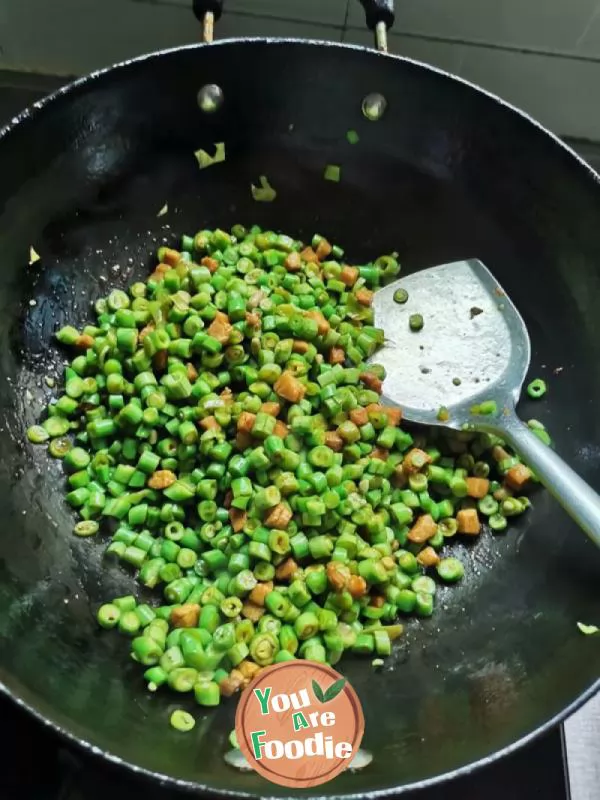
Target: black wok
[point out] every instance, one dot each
(449, 172)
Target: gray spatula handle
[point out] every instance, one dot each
(578, 499)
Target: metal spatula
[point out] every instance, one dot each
(473, 347)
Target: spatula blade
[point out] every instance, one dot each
(474, 345)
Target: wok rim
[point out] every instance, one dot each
(169, 781)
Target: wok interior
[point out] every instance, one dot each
(446, 174)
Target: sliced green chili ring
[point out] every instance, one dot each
(58, 448)
(37, 434)
(182, 720)
(86, 528)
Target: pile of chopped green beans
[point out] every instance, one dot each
(221, 422)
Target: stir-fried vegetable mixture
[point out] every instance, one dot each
(226, 424)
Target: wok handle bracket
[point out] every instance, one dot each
(207, 12)
(380, 17)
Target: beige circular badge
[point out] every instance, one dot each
(299, 723)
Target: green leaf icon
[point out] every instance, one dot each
(318, 692)
(334, 689)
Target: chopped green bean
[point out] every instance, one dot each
(108, 615)
(416, 322)
(223, 421)
(400, 296)
(450, 569)
(537, 388)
